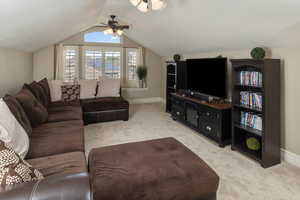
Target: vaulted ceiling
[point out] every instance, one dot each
(185, 26)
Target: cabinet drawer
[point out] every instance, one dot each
(209, 115)
(178, 112)
(209, 128)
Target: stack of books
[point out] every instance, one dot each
(249, 78)
(251, 120)
(251, 99)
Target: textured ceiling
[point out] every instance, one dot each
(185, 26)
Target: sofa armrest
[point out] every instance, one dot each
(66, 187)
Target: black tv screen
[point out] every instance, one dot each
(207, 76)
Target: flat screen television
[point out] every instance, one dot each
(207, 76)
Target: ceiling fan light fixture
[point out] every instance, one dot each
(143, 6)
(108, 31)
(135, 2)
(120, 32)
(158, 4)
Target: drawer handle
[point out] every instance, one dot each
(207, 114)
(208, 128)
(177, 113)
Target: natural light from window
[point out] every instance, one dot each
(100, 37)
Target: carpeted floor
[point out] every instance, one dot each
(241, 178)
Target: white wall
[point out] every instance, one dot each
(290, 88)
(43, 63)
(15, 70)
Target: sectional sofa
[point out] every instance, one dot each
(56, 147)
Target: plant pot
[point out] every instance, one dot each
(141, 83)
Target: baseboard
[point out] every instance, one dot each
(290, 157)
(146, 100)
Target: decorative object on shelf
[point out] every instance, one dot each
(113, 26)
(253, 144)
(176, 57)
(142, 74)
(258, 53)
(220, 56)
(147, 5)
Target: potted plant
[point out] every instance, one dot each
(142, 74)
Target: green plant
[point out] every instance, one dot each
(258, 53)
(141, 72)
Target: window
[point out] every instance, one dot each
(103, 61)
(132, 62)
(100, 37)
(70, 64)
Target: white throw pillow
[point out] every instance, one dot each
(11, 132)
(55, 90)
(87, 88)
(109, 88)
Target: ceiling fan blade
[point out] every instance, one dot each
(123, 27)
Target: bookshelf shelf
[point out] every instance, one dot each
(249, 129)
(268, 118)
(249, 108)
(248, 87)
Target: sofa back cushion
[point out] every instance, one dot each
(45, 85)
(17, 110)
(12, 132)
(13, 169)
(36, 112)
(55, 90)
(109, 88)
(39, 93)
(87, 88)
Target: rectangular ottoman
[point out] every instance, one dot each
(104, 109)
(162, 169)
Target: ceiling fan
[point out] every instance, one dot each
(113, 26)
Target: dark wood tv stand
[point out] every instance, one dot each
(210, 119)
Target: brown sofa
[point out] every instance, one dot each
(159, 169)
(56, 149)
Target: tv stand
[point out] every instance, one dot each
(210, 119)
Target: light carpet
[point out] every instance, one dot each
(241, 178)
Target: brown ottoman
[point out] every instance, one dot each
(104, 109)
(161, 169)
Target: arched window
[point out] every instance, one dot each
(100, 37)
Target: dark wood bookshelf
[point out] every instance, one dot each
(269, 137)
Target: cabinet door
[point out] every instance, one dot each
(192, 114)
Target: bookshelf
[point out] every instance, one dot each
(256, 108)
(175, 80)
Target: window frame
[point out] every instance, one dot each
(76, 49)
(103, 61)
(132, 83)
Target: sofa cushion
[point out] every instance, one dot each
(11, 132)
(87, 88)
(39, 93)
(70, 93)
(45, 85)
(109, 88)
(56, 138)
(67, 163)
(104, 104)
(19, 113)
(55, 90)
(13, 169)
(74, 113)
(35, 111)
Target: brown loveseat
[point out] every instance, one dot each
(56, 147)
